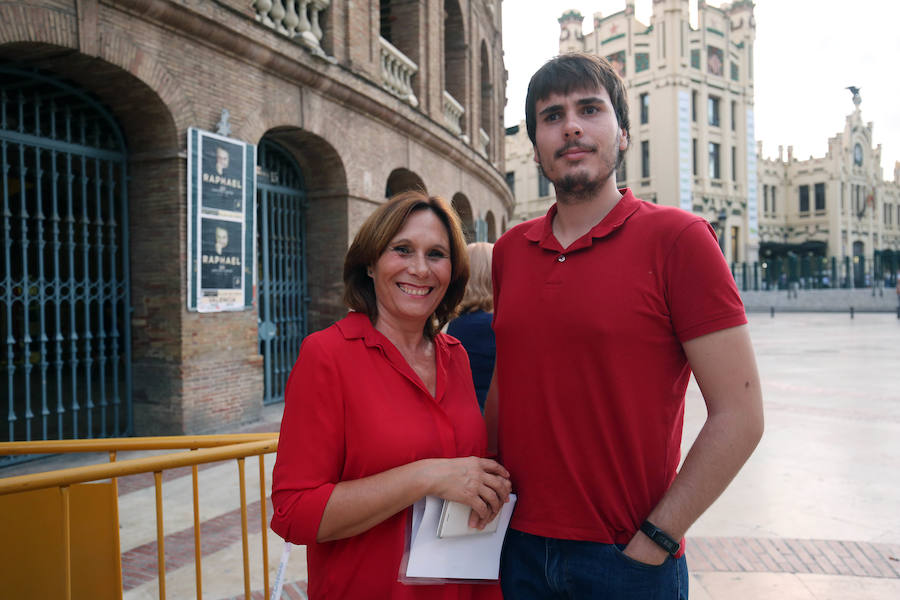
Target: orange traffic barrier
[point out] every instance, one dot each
(61, 527)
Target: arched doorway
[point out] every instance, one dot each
(491, 227)
(281, 248)
(65, 296)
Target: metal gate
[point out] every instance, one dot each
(282, 265)
(65, 323)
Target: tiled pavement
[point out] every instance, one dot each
(730, 555)
(139, 564)
(704, 555)
(776, 555)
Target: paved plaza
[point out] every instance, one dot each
(814, 513)
(812, 516)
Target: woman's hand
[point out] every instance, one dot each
(358, 505)
(481, 483)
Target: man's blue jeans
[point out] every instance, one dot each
(535, 567)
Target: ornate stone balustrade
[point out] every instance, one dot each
(453, 112)
(483, 140)
(295, 19)
(397, 71)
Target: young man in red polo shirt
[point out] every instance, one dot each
(602, 308)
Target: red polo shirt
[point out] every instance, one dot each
(591, 372)
(354, 408)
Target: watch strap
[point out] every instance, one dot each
(660, 538)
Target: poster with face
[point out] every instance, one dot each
(222, 166)
(221, 258)
(221, 208)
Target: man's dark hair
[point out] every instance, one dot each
(571, 72)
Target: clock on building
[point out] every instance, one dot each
(857, 155)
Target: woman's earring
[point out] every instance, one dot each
(369, 271)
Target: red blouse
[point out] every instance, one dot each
(354, 408)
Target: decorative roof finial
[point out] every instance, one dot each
(223, 127)
(570, 15)
(855, 91)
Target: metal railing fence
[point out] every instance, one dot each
(817, 272)
(65, 330)
(201, 449)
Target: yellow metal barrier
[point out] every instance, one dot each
(53, 518)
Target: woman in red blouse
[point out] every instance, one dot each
(380, 411)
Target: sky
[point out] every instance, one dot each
(806, 53)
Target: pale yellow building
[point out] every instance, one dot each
(837, 206)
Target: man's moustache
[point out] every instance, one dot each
(572, 145)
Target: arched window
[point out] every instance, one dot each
(398, 26)
(454, 68)
(487, 94)
(402, 180)
(464, 210)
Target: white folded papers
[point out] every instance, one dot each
(467, 556)
(454, 521)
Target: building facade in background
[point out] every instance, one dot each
(827, 222)
(837, 210)
(344, 105)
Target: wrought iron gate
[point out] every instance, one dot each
(65, 324)
(282, 265)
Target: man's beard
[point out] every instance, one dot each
(581, 187)
(578, 187)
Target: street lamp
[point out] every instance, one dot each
(719, 227)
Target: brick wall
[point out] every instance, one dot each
(361, 51)
(326, 243)
(176, 68)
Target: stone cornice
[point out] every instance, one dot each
(334, 81)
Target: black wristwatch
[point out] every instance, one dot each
(660, 537)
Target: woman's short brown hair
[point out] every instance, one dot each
(372, 240)
(479, 291)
